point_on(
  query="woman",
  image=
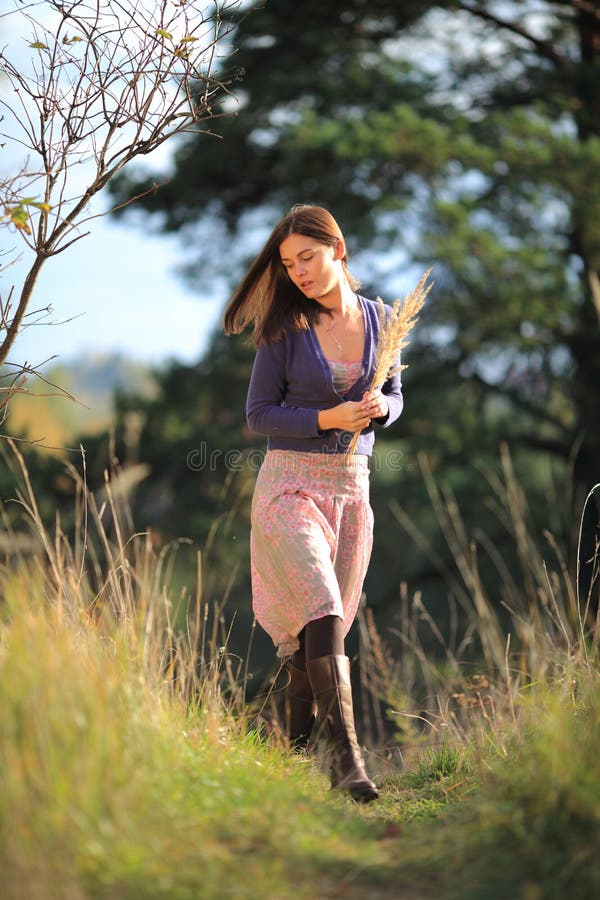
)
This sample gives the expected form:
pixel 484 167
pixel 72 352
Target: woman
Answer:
pixel 312 523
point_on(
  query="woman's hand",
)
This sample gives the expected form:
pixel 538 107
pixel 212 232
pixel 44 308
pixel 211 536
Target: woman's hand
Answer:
pixel 354 415
pixel 348 416
pixel 374 404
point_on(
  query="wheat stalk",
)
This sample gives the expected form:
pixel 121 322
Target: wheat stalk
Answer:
pixel 392 339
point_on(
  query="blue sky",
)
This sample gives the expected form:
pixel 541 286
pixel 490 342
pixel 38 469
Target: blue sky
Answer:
pixel 116 290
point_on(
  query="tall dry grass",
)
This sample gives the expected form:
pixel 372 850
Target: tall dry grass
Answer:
pixel 129 764
pixel 525 635
pixel 106 577
pixel 529 631
pixel 133 765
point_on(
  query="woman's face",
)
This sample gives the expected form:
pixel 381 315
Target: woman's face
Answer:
pixel 315 268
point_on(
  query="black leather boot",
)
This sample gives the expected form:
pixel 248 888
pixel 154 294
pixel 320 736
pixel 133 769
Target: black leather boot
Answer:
pixel 300 708
pixel 330 680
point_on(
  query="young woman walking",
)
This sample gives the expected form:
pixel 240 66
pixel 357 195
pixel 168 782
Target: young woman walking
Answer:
pixel 311 521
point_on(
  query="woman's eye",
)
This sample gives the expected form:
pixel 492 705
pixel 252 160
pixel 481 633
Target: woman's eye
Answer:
pixel 302 259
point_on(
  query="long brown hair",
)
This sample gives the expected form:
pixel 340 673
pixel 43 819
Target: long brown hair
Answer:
pixel 266 297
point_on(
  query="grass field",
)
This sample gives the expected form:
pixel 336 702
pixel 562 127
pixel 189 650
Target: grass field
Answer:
pixel 133 767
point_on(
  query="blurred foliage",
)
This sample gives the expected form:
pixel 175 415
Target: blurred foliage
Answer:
pixel 459 134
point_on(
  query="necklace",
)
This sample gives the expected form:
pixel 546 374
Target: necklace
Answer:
pixel 338 343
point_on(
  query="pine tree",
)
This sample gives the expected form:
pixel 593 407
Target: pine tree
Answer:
pixel 460 134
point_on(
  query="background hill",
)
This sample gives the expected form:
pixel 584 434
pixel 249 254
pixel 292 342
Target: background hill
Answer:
pixel 76 397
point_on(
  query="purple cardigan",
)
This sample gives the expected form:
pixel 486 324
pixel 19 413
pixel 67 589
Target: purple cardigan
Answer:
pixel 291 381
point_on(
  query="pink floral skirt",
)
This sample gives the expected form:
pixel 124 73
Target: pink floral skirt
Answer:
pixel 310 541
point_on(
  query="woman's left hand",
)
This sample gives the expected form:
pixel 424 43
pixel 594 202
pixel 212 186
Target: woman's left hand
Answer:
pixel 374 404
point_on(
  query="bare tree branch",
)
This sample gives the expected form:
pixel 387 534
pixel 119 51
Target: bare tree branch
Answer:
pixel 16 385
pixel 104 82
pixel 543 47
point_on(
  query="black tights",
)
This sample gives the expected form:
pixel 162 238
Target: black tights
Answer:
pixel 321 637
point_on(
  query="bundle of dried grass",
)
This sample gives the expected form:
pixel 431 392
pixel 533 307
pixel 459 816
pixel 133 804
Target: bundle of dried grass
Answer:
pixel 393 331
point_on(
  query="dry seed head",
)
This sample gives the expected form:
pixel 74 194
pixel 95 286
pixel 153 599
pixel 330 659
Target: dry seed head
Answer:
pixel 394 327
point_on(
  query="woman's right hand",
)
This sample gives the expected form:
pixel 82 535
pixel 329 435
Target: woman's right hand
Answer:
pixel 348 416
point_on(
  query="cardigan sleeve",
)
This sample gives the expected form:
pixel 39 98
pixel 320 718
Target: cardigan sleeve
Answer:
pixel 392 389
pixel 266 410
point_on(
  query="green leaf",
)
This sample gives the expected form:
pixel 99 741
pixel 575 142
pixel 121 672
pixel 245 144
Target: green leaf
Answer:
pixel 38 45
pixel 31 201
pixel 18 216
pixel 161 32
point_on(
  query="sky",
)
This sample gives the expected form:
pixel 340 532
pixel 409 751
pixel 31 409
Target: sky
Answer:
pixel 115 291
